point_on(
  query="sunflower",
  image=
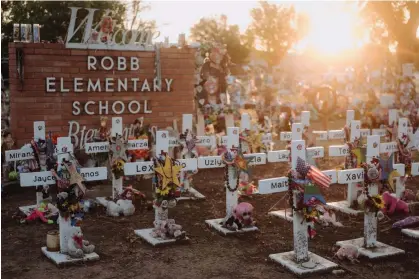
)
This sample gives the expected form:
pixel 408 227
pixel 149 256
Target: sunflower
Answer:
pixel 313 213
pixel 163 192
pixel 378 201
pixel 119 165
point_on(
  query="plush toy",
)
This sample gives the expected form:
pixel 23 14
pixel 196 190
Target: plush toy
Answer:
pixel 130 193
pixel 393 204
pixel 159 230
pixel 349 252
pixel 241 218
pixel 174 230
pixel 78 247
pixel 41 213
pixel 13 175
pixel 209 130
pixel 121 207
pixel 409 196
pixel 188 144
pixel 246 187
pixel 94 37
pixel 329 218
pixel 410 221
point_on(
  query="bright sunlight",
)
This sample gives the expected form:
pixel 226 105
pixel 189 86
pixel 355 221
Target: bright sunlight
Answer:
pixel 331 29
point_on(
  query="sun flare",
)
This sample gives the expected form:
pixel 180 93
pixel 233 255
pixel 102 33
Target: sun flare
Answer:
pixel 331 28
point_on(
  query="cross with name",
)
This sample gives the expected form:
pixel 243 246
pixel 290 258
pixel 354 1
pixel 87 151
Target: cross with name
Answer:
pixel 284 156
pixel 189 143
pixel 233 142
pixel 368 245
pixel 119 143
pixel 26 153
pixel 300 260
pixel 147 167
pixel 352 188
pixel 64 152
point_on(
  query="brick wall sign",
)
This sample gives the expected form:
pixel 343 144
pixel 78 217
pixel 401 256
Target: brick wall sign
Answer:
pixel 70 89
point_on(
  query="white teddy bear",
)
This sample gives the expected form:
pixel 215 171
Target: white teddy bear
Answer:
pixel 121 207
pixel 77 247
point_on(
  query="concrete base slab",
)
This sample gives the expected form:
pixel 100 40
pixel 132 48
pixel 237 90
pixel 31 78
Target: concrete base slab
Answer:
pixel 380 251
pixel 216 224
pixel 192 194
pixel 343 206
pixel 102 201
pixel 145 234
pixel 411 232
pixel 63 259
pixel 316 264
pixel 282 214
pixel 27 209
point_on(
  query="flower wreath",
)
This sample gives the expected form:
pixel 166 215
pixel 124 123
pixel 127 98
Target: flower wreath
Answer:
pixel 373 203
pixel 234 158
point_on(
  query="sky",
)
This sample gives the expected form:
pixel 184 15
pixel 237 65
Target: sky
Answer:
pixel 175 17
pixel 331 22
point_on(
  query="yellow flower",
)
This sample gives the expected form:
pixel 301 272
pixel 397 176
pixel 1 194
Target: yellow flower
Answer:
pixel 163 192
pixel 378 201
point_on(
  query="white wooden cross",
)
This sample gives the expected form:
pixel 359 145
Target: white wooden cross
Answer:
pixel 283 156
pixel 187 126
pixel 26 153
pixel 200 126
pixel 233 141
pixel 402 130
pixel 147 167
pixel 399 185
pixel 305 121
pixel 352 189
pixel 368 245
pixel 412 232
pixel 245 126
pixel 65 151
pixel 300 260
pixel 202 140
pixel 103 147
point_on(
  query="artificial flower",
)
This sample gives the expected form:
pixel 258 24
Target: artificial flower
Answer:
pixel 378 201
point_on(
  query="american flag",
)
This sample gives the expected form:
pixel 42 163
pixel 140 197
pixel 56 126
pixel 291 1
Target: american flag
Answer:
pixel 319 178
pixel 312 173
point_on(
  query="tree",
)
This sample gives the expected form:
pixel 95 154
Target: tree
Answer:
pixel 54 16
pixel 216 30
pixel 394 22
pixel 135 23
pixel 273 29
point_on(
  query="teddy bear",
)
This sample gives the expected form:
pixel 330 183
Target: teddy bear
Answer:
pixel 174 230
pixel 241 218
pixel 120 207
pixel 78 247
pixel 348 251
pixel 160 229
pixel 393 204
